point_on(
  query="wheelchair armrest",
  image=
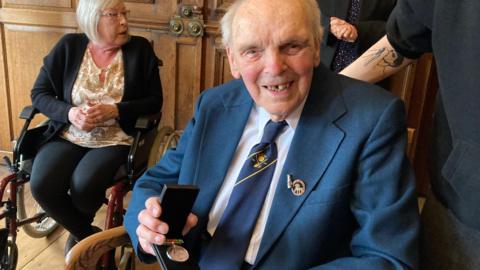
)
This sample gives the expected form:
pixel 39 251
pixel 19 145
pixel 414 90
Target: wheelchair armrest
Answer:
pixel 146 131
pixel 146 122
pixel 87 252
pixel 28 139
pixel 28 112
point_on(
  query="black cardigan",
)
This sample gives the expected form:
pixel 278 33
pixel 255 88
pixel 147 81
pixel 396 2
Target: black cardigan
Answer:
pixel 51 93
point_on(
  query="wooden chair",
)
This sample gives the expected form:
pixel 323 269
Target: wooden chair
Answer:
pixel 86 254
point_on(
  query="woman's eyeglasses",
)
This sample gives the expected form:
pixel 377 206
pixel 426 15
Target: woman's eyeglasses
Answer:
pixel 115 15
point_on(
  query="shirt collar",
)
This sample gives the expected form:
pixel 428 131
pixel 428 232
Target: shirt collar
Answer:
pixel 292 119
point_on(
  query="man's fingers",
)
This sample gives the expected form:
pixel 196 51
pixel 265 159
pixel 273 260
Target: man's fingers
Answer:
pixel 152 223
pixel 146 246
pixel 143 232
pixel 152 205
pixel 192 220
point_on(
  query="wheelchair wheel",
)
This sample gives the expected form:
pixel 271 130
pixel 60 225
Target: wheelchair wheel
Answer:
pixel 127 258
pixel 157 148
pixel 166 138
pixel 9 259
pixel 27 207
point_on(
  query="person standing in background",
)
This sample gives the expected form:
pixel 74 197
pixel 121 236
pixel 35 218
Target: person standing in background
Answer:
pixel 352 26
pixel 450 237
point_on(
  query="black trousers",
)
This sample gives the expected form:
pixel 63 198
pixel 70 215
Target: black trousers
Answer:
pixel 69 181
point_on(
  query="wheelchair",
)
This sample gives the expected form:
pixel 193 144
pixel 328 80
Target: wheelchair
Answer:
pixel 88 252
pixel 21 210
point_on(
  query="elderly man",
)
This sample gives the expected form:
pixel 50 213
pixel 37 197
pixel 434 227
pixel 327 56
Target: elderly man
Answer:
pixel 327 185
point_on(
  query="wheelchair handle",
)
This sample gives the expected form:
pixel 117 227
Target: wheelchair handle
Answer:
pixel 8 162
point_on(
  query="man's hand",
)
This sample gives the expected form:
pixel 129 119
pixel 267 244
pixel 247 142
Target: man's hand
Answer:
pixel 152 229
pixel 343 30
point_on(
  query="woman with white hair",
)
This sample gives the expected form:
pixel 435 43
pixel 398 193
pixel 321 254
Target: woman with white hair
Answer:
pixel 92 87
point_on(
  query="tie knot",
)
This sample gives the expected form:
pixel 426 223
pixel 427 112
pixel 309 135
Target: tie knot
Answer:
pixel 271 131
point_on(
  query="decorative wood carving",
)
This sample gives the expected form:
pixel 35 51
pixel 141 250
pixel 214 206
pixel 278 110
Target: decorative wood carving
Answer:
pixel 141 1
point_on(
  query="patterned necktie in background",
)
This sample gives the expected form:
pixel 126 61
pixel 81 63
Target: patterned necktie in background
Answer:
pixel 230 241
pixel 346 52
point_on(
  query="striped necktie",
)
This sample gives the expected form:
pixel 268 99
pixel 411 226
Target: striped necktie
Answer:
pixel 230 241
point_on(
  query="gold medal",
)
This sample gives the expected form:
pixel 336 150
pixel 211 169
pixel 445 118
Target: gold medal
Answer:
pixel 177 253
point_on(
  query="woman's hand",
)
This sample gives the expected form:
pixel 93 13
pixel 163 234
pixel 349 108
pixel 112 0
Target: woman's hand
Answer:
pixel 80 119
pixel 100 113
pixel 152 229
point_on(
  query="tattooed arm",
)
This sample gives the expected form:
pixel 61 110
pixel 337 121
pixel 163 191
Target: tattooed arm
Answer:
pixel 377 63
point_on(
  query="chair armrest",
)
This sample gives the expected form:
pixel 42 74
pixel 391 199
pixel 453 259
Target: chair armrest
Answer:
pixel 87 252
pixel 28 112
pixel 27 142
pixel 146 122
pixel 146 131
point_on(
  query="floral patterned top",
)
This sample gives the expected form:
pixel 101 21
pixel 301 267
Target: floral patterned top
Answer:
pixel 89 89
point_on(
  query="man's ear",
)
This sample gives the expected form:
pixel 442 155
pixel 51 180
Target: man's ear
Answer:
pixel 233 65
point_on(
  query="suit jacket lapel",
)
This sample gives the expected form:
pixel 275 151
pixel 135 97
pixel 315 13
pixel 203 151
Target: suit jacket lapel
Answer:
pixel 220 138
pixel 316 126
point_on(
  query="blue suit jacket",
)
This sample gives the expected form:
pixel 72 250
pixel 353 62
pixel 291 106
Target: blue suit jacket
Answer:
pixel 359 209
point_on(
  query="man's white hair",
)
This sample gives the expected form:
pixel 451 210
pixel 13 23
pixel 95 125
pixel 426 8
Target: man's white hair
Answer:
pixel 310 7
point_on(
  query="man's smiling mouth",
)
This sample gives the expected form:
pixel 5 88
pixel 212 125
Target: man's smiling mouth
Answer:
pixel 278 87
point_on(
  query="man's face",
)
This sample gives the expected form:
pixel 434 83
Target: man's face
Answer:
pixel 274 52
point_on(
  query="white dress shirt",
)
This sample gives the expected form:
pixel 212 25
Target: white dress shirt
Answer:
pixel 252 135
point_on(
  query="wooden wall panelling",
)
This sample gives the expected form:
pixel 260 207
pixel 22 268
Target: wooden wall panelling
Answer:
pixel 29 30
pixel 39 4
pixel 181 55
pixel 401 84
pixel 188 66
pixel 423 100
pixel 198 3
pixel 25 48
pixel 151 15
pixel 216 8
pixel 51 17
pixel 5 124
pixel 180 73
pixel 416 85
pixel 217 69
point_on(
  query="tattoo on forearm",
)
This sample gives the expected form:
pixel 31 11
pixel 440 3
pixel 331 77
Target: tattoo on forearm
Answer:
pixel 383 58
pixel 372 55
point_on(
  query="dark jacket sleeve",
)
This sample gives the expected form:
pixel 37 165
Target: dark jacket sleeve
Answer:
pixel 143 89
pixel 409 28
pixel 48 93
pixel 372 23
